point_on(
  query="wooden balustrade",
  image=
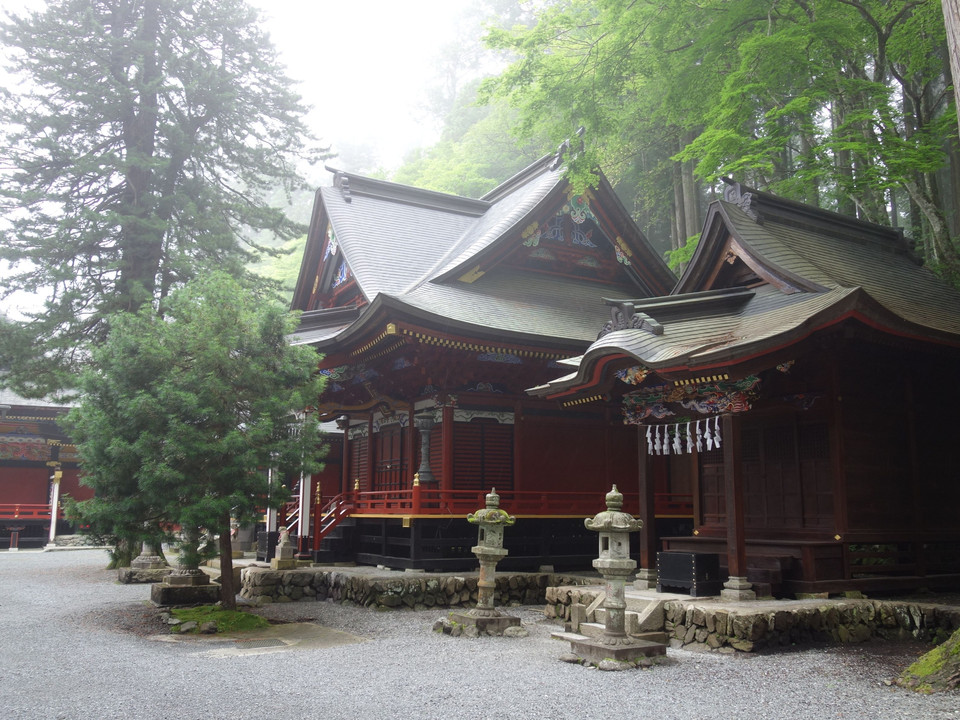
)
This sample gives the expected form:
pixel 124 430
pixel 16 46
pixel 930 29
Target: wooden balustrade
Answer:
pixel 26 511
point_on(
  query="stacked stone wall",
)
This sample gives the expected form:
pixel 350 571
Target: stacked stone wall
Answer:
pixel 839 622
pixel 418 591
pixel 700 626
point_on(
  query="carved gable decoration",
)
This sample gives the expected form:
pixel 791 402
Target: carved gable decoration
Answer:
pixel 571 243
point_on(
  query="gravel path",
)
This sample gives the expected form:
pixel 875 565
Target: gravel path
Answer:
pixel 74 644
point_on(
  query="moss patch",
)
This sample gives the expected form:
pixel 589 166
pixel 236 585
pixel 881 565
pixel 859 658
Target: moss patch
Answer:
pixel 938 670
pixel 226 620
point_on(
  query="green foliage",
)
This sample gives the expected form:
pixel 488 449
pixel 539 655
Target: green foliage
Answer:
pixel 679 258
pixel 140 148
pixel 842 104
pixel 475 154
pixel 228 621
pixel 179 415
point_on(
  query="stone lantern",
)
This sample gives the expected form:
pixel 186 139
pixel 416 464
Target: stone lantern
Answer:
pixel 615 565
pixel 489 551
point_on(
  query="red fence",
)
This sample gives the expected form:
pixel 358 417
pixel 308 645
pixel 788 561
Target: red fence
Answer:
pixel 24 511
pixel 429 501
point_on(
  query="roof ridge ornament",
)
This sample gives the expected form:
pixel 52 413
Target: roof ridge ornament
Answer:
pixel 341 181
pixel 624 316
pixel 564 147
pixel 735 193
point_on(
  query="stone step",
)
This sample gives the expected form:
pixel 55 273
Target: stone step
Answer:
pixel 593 631
pixel 649 619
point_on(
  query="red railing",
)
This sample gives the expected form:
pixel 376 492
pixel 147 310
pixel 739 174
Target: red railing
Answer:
pixel 429 501
pixel 330 516
pixel 26 511
pixel 420 500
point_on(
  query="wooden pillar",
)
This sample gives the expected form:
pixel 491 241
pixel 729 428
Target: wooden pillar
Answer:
pixel 737 587
pixel 647 572
pixel 517 446
pixel 410 450
pixel 446 448
pixel 371 454
pixel 345 484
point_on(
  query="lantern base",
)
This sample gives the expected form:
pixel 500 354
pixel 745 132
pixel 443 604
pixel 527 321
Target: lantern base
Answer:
pixel 485 624
pixel 595 651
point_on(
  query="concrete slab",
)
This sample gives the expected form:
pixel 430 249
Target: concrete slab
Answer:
pixel 273 639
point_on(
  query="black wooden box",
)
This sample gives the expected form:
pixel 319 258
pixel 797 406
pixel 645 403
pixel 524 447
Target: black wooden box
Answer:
pixel 696 573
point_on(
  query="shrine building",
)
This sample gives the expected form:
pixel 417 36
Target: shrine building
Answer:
pixel 798 379
pixel 773 409
pixel 435 314
pixel 38 465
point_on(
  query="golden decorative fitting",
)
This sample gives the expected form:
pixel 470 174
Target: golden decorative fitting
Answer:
pixel 416 479
pixel 356 483
pixel 696 532
pixel 838 537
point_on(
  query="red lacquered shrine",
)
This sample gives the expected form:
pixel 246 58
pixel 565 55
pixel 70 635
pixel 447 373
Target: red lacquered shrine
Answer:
pixel 434 314
pixel 35 455
pixel 799 379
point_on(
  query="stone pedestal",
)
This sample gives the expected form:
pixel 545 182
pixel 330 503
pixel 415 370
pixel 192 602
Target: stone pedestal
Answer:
pixel 646 579
pixel 185 587
pixel 484 624
pixel 284 558
pixel 737 589
pixel 131 575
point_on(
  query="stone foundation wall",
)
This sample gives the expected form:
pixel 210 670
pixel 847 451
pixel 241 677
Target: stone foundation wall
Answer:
pixel 700 626
pixel 850 621
pixel 418 591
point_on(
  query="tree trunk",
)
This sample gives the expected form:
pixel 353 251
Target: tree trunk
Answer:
pixel 844 165
pixel 946 253
pixel 691 206
pixel 141 242
pixel 228 593
pixel 677 227
pixel 951 18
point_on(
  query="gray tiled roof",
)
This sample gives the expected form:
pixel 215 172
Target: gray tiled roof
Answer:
pixel 416 236
pixel 868 274
pixel 517 302
pixel 884 270
pixel 409 247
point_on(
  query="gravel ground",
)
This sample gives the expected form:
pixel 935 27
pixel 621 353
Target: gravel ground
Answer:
pixel 76 644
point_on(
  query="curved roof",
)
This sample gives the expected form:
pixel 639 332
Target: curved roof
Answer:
pixel 820 269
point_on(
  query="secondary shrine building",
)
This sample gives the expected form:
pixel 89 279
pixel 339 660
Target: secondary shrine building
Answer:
pixel 435 314
pixel 786 406
pixel 800 379
pixel 38 466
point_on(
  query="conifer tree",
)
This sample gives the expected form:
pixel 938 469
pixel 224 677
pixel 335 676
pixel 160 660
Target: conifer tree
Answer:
pixel 138 147
pixel 180 416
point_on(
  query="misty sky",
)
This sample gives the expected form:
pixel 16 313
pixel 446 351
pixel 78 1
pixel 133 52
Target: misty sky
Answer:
pixel 364 66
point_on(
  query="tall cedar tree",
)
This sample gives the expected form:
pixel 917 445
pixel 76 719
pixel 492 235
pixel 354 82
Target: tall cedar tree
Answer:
pixel 138 148
pixel 180 415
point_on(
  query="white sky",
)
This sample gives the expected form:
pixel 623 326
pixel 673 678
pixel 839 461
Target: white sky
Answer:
pixel 364 66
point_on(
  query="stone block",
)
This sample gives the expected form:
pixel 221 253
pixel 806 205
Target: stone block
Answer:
pixel 595 651
pixel 130 575
pixel 164 594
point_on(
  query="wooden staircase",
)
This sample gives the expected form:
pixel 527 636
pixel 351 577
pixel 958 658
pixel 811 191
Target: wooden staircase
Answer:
pixel 334 535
